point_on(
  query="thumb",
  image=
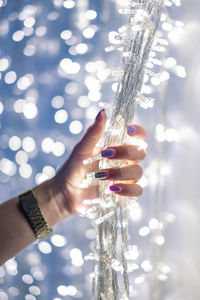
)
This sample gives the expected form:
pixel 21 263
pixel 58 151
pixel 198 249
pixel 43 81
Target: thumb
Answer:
pixel 93 134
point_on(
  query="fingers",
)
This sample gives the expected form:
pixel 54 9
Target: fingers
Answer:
pixel 130 190
pixel 136 131
pixel 128 152
pixel 131 172
pixel 92 135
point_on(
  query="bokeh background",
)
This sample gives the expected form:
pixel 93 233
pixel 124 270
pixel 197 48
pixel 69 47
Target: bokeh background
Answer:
pixel 52 63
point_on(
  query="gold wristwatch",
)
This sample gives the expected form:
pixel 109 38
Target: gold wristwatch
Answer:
pixel 29 205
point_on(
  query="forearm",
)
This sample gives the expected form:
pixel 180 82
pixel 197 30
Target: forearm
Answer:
pixel 15 231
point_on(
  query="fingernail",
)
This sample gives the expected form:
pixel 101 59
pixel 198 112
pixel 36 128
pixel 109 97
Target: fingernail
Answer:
pixel 131 129
pixel 101 175
pixel 108 153
pixel 115 188
pixel 98 115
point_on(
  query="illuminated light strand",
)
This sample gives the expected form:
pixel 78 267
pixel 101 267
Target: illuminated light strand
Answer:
pixel 132 79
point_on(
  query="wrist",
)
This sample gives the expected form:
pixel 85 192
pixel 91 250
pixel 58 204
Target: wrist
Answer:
pixel 48 202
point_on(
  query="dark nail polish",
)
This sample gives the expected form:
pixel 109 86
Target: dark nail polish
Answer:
pixel 101 175
pixel 108 153
pixel 131 129
pixel 98 115
pixel 115 188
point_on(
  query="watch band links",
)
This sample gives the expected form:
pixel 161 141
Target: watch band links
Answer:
pixel 29 205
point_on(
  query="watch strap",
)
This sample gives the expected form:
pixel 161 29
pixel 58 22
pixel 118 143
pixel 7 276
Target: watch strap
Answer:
pixel 29 205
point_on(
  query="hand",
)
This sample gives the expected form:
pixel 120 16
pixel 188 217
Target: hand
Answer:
pixel 67 194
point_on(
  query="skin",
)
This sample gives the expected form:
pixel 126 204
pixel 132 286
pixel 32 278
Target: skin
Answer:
pixel 61 196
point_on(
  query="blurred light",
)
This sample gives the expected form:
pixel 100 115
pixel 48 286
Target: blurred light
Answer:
pixel 112 37
pixel 61 116
pixel 29 22
pixel 4 64
pixel 144 231
pixel 25 170
pixel 75 127
pixel 44 247
pixel 66 34
pixel 81 48
pixel 28 144
pixel 160 240
pixel 180 71
pixel 48 171
pixel 71 88
pixel 28 31
pixel 30 110
pixel 29 50
pixel 91 67
pixel 35 290
pixel 66 290
pixel 13 291
pixel 37 274
pixel 19 105
pixel 52 16
pixel 139 279
pixel 153 223
pixel 14 143
pixel 146 266
pixel 76 256
pixel 40 177
pixel 90 234
pixel 58 149
pixel 57 101
pixel 69 4
pixel 3 295
pixel 92 83
pixel 18 36
pixel 29 297
pixel 1 107
pixel 47 145
pixel 7 167
pixel 91 112
pixel 89 32
pixel 41 31
pixel 176 35
pixel 24 82
pixel 69 67
pixel 136 213
pixel 21 157
pixel 28 279
pixel 94 96
pixel 58 240
pixel 91 14
pixel 83 101
pixel 10 77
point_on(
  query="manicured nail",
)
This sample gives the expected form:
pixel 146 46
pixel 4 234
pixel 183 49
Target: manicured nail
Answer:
pixel 131 129
pixel 115 188
pixel 98 115
pixel 101 175
pixel 108 153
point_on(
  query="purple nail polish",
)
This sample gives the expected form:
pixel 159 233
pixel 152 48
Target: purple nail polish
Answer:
pixel 115 188
pixel 131 129
pixel 108 153
pixel 98 115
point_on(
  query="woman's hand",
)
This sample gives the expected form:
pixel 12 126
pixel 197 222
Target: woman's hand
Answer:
pixel 68 197
pixel 62 196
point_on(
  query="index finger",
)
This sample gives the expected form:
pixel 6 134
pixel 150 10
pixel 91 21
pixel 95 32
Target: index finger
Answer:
pixel 136 131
